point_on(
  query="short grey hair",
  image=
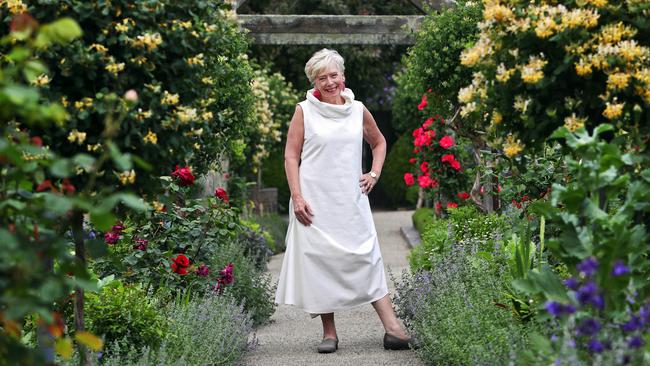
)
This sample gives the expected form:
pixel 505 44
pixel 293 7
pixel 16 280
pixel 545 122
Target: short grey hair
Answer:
pixel 321 60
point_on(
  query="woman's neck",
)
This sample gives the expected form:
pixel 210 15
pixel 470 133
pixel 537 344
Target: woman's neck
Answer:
pixel 336 100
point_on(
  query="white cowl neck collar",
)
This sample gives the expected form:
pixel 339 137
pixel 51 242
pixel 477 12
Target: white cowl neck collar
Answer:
pixel 332 110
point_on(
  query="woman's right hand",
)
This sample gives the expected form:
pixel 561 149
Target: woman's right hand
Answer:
pixel 302 210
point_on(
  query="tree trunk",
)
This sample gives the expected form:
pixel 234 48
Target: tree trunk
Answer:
pixel 80 254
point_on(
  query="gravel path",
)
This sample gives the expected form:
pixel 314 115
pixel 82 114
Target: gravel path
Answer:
pixel 292 336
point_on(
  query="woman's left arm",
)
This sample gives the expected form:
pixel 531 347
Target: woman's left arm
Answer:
pixel 377 143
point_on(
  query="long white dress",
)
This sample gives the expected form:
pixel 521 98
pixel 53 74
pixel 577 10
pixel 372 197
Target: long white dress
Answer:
pixel 335 263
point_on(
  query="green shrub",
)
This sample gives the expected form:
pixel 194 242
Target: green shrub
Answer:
pixel 252 286
pixel 455 311
pixel 125 314
pixel 468 224
pixel 422 217
pixel 206 331
pixel 435 239
pixel 391 183
pixel 276 226
pixel 273 175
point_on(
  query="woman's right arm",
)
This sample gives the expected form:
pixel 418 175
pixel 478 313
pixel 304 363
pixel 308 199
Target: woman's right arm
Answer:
pixel 292 151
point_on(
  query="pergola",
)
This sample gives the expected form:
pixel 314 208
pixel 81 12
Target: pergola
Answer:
pixel 273 29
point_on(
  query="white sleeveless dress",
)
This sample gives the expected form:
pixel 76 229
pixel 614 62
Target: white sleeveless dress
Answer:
pixel 335 263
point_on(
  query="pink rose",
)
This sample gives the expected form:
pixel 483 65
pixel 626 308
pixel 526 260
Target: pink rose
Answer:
pixel 408 179
pixel 446 142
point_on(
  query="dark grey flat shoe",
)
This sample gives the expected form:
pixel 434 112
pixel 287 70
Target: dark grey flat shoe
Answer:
pixel 394 343
pixel 328 345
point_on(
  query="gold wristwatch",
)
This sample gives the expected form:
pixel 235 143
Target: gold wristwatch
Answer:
pixel 373 175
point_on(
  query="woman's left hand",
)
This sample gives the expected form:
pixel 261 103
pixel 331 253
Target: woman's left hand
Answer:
pixel 367 183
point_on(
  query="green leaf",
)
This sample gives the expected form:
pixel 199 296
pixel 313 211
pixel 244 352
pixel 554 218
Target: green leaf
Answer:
pixel 133 201
pixel 12 203
pixel 102 219
pixel 58 204
pixel 7 240
pixel 34 69
pixel 96 247
pixel 20 95
pixel 550 284
pixel 603 128
pixel 645 174
pixel 61 168
pixel 61 31
pixel 90 340
pixel 122 161
pixel 85 161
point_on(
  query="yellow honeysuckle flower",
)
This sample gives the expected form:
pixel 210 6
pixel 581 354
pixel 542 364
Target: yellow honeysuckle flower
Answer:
pixel 76 136
pixel 169 99
pixel 139 60
pixel 41 80
pixel 196 60
pixel 15 6
pixel 186 114
pixel 115 68
pixel 127 177
pixel 158 206
pixel 583 67
pixel 512 148
pixel 207 80
pixel 150 41
pixel 150 138
pixel 573 123
pixel 497 118
pixel 100 48
pixel 503 74
pixel 207 116
pixel 618 80
pixel 613 110
pixel 93 148
pixel 532 73
pixel 142 115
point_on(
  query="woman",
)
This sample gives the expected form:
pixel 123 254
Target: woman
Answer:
pixel 333 261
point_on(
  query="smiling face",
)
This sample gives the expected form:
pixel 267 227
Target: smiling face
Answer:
pixel 329 82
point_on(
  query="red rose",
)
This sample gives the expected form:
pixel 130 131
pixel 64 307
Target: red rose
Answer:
pixel 184 175
pixel 66 186
pixel 417 132
pixel 455 164
pixel 179 264
pixel 408 179
pixel 203 270
pixel 448 158
pixel 424 181
pixel 36 140
pixel 452 205
pixel 428 122
pixel 226 274
pixel 412 160
pixel 44 185
pixel 221 194
pixel 424 167
pixel 463 195
pixel 446 142
pixel 423 102
pixel 23 22
pixel 438 207
pixel 111 237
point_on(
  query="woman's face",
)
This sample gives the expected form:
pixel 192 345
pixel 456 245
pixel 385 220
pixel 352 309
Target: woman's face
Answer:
pixel 330 81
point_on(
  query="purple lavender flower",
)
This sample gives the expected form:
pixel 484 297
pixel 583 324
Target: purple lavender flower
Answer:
pixel 595 346
pixel 554 308
pixel 644 313
pixel 636 342
pixel 598 301
pixel 620 269
pixel 572 283
pixel 633 324
pixel 586 292
pixel 588 267
pixel 588 327
pixel 569 309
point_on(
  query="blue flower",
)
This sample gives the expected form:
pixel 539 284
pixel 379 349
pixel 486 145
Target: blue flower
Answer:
pixel 636 342
pixel 588 267
pixel 595 346
pixel 588 327
pixel 554 308
pixel 633 324
pixel 620 269
pixel 572 283
pixel 589 294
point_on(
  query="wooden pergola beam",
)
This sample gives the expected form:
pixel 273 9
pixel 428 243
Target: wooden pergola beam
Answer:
pixel 331 29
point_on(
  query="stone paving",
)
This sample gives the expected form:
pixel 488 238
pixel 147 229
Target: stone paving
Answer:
pixel 292 336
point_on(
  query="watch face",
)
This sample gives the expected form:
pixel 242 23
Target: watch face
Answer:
pixel 373 174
